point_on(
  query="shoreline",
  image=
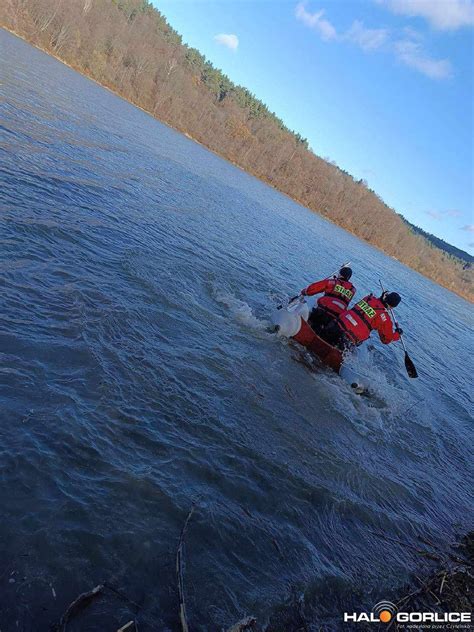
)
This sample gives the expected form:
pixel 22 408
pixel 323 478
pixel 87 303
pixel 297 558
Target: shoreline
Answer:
pixel 465 297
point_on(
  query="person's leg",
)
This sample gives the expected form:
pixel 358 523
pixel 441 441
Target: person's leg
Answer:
pixel 346 345
pixel 336 337
pixel 332 334
pixel 319 319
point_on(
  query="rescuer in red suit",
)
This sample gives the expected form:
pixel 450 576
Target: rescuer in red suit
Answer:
pixel 338 292
pixel 355 325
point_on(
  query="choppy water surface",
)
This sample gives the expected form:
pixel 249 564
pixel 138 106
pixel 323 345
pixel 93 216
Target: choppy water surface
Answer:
pixel 137 275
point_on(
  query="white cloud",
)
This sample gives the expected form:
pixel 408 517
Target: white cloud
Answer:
pixel 367 39
pixel 443 214
pixel 435 214
pixel 443 15
pixel 411 54
pixel 227 39
pixel 413 34
pixel 469 228
pixel 408 49
pixel 316 21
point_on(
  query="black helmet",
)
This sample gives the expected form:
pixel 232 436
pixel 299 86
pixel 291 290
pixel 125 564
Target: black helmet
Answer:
pixel 390 299
pixel 345 273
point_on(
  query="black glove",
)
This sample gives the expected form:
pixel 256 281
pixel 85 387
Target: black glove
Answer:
pixel 303 292
pixel 399 330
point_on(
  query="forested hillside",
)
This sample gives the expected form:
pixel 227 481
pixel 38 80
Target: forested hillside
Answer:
pixel 440 243
pixel 128 46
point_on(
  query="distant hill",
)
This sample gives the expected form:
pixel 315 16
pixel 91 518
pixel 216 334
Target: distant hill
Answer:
pixel 441 244
pixel 129 47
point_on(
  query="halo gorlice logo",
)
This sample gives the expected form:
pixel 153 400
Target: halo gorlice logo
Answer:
pixel 382 612
pixel 385 611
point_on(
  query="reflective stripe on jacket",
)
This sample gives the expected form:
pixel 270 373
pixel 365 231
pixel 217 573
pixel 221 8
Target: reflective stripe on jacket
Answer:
pixel 337 294
pixel 368 314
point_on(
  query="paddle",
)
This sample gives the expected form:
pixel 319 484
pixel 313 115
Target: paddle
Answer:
pixel 409 366
pixel 328 277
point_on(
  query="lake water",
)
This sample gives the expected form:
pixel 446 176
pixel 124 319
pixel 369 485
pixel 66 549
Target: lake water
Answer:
pixel 137 274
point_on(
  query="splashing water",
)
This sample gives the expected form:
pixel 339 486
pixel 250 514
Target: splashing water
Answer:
pixel 241 311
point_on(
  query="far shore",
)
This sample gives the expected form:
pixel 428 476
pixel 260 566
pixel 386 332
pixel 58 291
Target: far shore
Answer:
pixel 262 179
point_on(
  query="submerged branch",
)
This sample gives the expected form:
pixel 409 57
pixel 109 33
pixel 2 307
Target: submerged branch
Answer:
pixel 79 604
pixel 179 572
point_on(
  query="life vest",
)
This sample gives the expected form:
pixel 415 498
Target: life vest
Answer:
pixel 358 322
pixel 337 297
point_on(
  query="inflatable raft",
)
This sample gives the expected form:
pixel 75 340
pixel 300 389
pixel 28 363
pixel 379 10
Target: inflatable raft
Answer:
pixel 291 322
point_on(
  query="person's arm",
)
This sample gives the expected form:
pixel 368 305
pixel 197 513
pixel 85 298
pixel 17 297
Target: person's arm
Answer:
pixel 317 287
pixel 385 329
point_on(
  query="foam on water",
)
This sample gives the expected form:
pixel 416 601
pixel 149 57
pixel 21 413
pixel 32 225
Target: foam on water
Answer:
pixel 241 311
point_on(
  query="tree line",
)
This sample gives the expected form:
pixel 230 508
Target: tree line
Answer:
pixel 128 46
pixel 443 245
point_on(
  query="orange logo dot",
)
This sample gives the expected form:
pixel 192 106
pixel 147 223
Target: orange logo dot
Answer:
pixel 385 616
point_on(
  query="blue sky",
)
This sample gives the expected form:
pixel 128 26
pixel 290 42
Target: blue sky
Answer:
pixel 382 87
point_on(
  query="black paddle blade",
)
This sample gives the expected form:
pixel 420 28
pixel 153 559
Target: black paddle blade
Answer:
pixel 410 367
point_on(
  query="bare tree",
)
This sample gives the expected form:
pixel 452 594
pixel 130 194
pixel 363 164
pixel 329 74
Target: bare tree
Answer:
pixel 128 46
